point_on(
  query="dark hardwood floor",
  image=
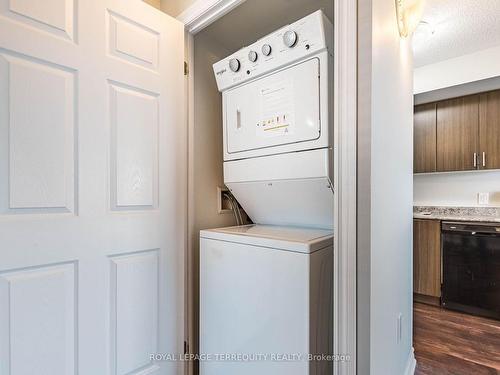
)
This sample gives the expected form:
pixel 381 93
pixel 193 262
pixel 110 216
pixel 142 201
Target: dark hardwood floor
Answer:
pixel 451 343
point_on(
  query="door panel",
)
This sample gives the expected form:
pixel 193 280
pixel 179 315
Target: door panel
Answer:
pixel 39 174
pixel 92 187
pixel 38 306
pixel 134 148
pixel 424 138
pixel 457 134
pixel 489 130
pixel 54 16
pixel 264 113
pixel 135 288
pixel 133 42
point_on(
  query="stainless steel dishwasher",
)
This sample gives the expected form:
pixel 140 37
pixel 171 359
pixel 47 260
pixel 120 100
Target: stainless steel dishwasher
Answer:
pixel 471 267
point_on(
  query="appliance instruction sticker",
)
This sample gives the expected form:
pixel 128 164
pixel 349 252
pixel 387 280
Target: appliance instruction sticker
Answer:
pixel 276 115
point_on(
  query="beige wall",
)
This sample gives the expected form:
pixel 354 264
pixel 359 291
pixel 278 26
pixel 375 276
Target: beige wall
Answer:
pixel 206 158
pixel 175 7
pixel 155 3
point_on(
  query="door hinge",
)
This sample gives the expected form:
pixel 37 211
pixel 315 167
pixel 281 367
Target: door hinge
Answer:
pixel 186 68
pixel 186 348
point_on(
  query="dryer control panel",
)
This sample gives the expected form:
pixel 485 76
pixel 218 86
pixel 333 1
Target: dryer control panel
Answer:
pixel 305 37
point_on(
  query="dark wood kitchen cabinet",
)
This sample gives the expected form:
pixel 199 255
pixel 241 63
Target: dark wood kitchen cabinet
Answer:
pixel 424 138
pixel 458 134
pixel 489 130
pixel 457 129
pixel 427 260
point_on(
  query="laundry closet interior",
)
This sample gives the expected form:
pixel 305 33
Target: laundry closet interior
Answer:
pixel 207 197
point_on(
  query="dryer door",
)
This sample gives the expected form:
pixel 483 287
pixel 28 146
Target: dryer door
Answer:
pixel 279 109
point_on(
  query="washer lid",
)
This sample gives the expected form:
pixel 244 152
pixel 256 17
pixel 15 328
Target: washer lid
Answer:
pixel 301 240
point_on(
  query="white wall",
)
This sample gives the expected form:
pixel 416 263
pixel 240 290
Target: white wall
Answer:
pixel 456 189
pixel 385 207
pixel 468 68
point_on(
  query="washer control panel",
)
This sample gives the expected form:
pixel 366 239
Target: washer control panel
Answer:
pixel 307 36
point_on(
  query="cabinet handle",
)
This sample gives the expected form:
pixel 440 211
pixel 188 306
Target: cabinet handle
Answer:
pixel 475 159
pixel 484 159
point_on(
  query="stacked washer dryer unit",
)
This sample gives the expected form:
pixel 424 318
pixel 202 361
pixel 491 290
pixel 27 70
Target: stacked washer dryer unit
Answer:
pixel 267 288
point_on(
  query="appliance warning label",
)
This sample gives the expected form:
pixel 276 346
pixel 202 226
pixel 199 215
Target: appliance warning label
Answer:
pixel 276 114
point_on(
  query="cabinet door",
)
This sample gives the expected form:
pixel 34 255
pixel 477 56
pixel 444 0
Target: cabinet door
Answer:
pixel 457 134
pixel 427 257
pixel 424 138
pixel 489 130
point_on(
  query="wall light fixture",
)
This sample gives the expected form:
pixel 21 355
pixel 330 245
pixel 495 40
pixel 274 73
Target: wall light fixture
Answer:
pixel 409 13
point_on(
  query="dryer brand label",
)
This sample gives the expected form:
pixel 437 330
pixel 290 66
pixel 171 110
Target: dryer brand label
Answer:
pixel 276 110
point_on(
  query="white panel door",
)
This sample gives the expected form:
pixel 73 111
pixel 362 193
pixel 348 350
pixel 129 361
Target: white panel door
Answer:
pixel 92 188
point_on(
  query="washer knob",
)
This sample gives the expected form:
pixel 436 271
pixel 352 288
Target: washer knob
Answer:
pixel 253 56
pixel 290 38
pixel 234 65
pixel 266 49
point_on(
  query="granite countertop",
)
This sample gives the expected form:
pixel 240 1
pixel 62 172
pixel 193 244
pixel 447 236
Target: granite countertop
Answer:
pixel 473 214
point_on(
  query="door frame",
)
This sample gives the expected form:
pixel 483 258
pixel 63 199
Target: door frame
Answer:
pixel 345 53
pixel 203 13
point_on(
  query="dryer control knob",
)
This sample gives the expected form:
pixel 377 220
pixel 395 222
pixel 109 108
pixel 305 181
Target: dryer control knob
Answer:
pixel 266 49
pixel 234 65
pixel 253 56
pixel 290 38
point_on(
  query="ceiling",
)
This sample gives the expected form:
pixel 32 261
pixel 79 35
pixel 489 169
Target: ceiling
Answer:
pixel 452 28
pixel 257 18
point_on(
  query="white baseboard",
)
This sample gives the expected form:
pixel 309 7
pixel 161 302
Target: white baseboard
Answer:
pixel 411 365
